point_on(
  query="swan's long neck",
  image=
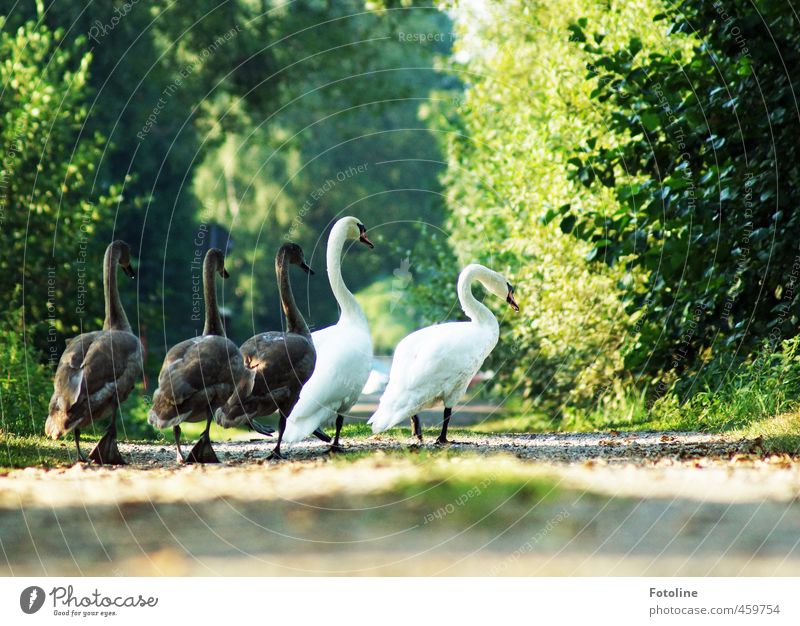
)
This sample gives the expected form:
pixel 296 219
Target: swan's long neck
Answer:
pixel 115 314
pixel 347 301
pixel 475 310
pixel 294 319
pixel 213 324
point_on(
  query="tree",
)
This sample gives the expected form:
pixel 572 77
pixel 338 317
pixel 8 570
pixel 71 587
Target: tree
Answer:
pixel 526 106
pixel 49 204
pixel 347 138
pixel 704 166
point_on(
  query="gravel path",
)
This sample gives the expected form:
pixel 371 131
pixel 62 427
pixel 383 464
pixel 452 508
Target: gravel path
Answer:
pixel 622 503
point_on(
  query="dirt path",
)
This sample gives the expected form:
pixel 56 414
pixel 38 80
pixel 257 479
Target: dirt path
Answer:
pixel 607 503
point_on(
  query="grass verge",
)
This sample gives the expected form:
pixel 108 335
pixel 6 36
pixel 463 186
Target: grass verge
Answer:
pixel 465 488
pixel 760 399
pixel 31 450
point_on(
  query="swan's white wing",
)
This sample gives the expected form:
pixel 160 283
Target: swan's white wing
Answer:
pixel 344 360
pixel 323 336
pixel 432 364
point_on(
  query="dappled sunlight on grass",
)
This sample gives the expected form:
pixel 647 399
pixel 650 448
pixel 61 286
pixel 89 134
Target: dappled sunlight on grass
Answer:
pixel 24 451
pixel 780 433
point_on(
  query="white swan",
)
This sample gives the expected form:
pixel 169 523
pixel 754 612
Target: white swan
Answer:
pixel 437 363
pixel 344 350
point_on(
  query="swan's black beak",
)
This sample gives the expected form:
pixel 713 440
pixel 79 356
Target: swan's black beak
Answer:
pixel 304 266
pixel 362 237
pixel 128 271
pixel 224 273
pixel 510 298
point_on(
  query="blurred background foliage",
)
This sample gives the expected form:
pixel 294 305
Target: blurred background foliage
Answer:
pixel 644 276
pixel 238 124
pixel 630 165
pixel 525 109
pixel 705 173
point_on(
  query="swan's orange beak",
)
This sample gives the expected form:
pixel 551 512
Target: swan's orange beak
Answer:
pixel 362 237
pixel 510 299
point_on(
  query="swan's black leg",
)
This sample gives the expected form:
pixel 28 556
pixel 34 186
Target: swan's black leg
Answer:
pixel 106 451
pixel 202 451
pixel 77 435
pixel 445 422
pixel 276 455
pixel 335 447
pixel 416 429
pixel 322 435
pixel 176 433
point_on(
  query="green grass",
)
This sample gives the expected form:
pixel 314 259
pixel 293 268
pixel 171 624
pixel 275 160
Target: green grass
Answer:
pixel 780 432
pixel 757 399
pixel 472 490
pixel 741 411
pixel 464 488
pixel 19 451
pixel 31 450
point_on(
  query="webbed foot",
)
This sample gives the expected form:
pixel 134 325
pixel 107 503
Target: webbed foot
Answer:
pixel 276 455
pixel 106 451
pixel 202 452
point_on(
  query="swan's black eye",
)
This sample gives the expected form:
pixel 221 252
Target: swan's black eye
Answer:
pixel 361 228
pixel 510 287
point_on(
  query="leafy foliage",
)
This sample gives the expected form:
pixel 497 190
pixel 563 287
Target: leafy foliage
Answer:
pixel 156 71
pixel 49 204
pixel 24 381
pixel 344 138
pixel 229 117
pixel 767 386
pixel 704 169
pixel 510 136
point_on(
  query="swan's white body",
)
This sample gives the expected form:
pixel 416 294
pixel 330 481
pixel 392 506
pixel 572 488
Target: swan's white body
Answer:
pixel 344 352
pixel 437 363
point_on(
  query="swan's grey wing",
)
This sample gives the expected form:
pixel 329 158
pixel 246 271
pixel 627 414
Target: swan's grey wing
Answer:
pixel 292 361
pixel 68 379
pixel 196 365
pixel 171 381
pixel 97 370
pixel 112 365
pixel 279 360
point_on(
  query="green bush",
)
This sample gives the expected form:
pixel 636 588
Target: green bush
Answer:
pixel 510 136
pixel 703 165
pixel 134 417
pixel 50 202
pixel 762 388
pixel 25 383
